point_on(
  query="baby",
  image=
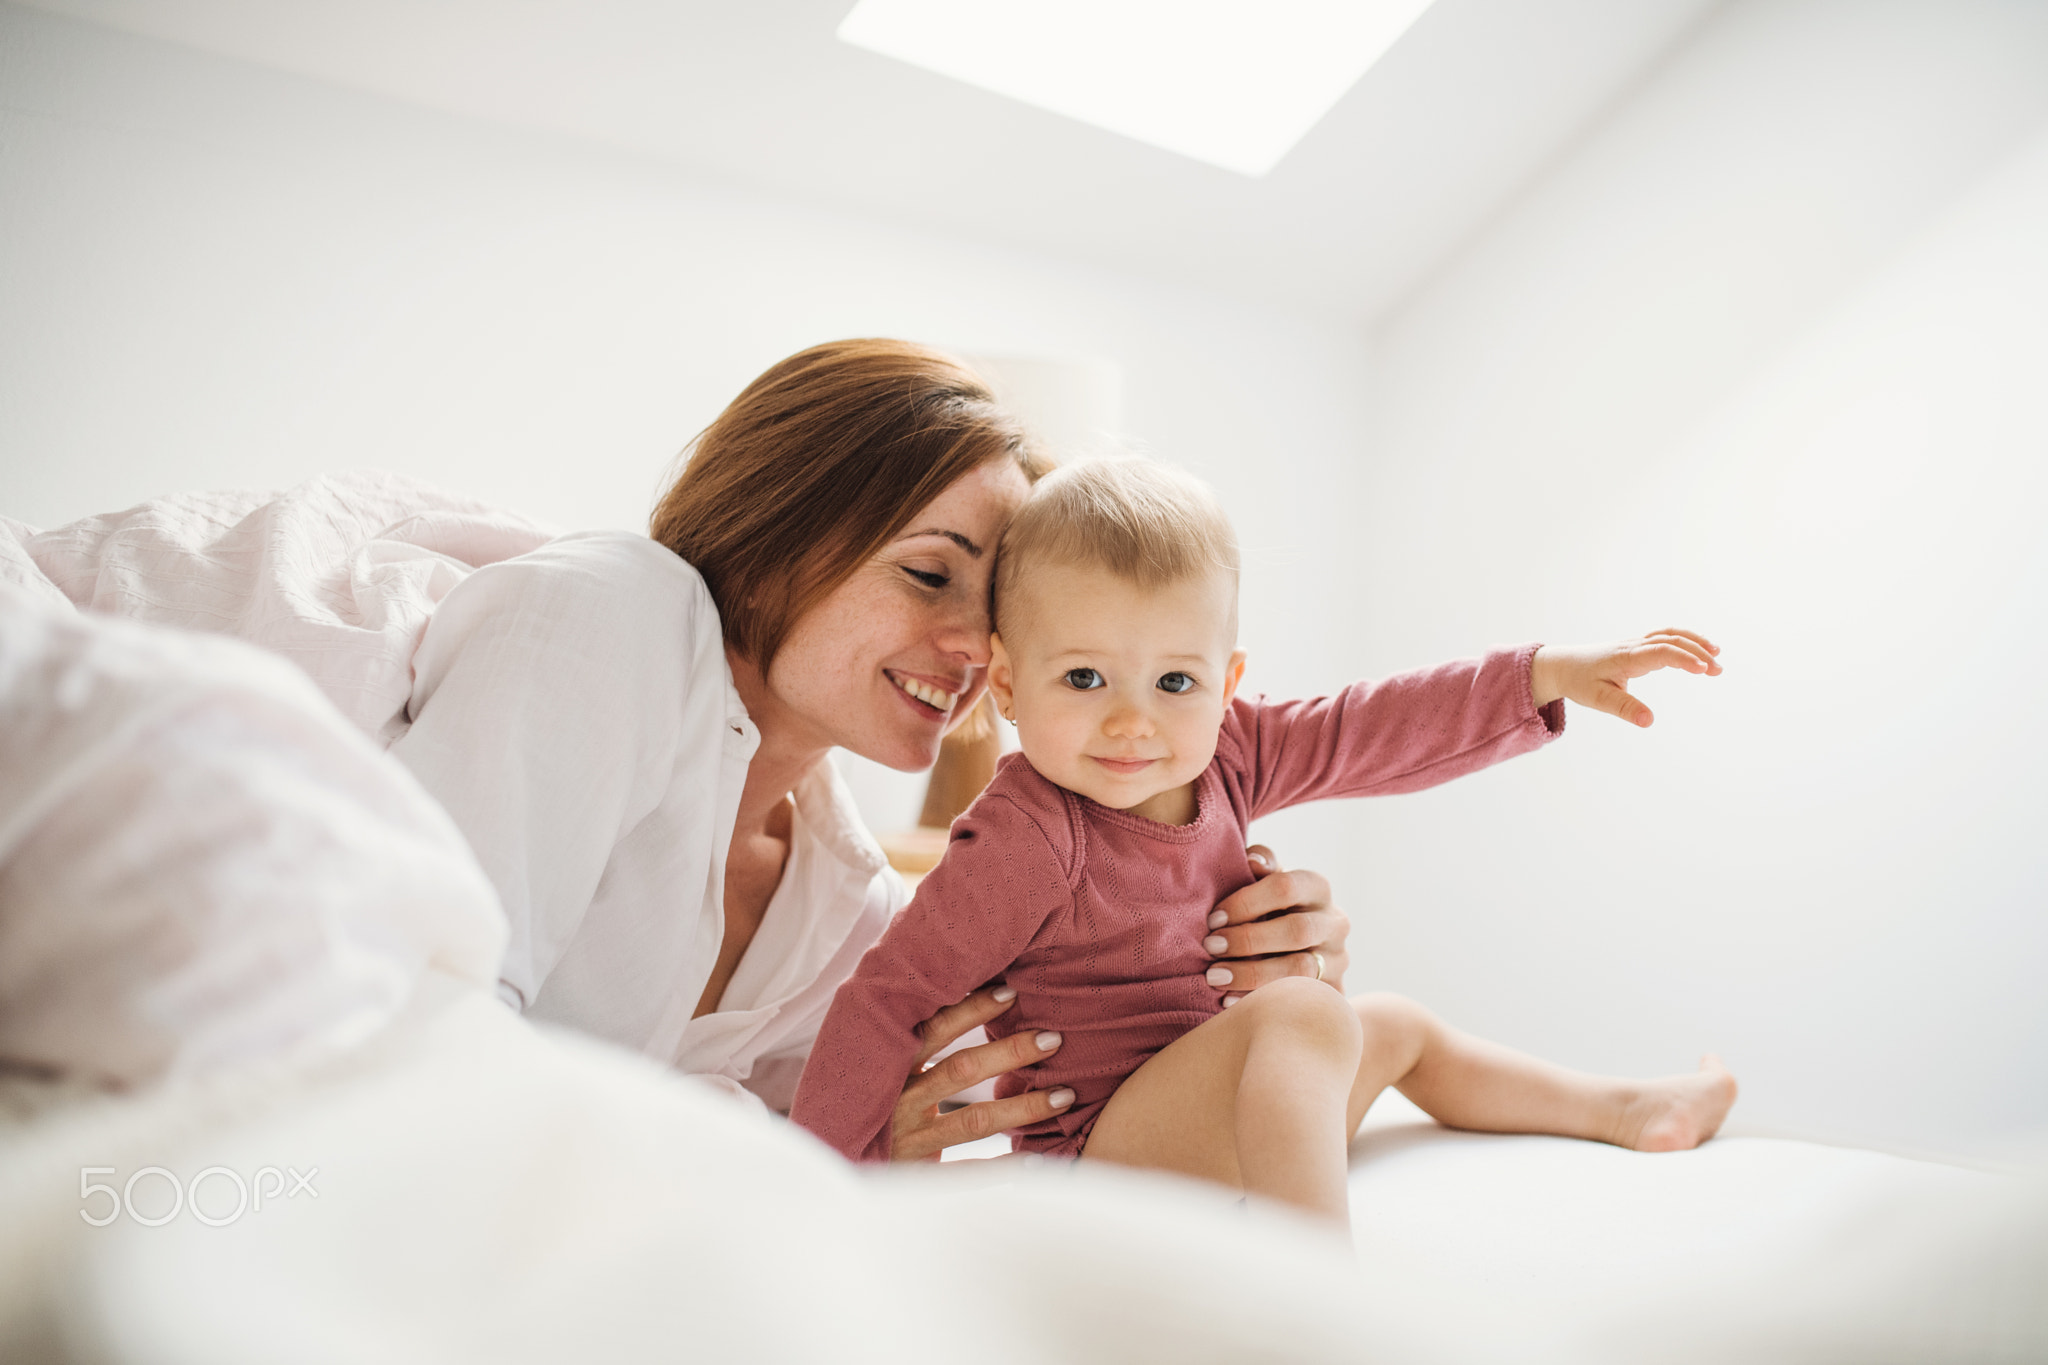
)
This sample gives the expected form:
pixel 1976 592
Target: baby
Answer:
pixel 1085 875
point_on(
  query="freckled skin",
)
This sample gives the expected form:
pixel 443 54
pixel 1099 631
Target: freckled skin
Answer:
pixel 917 610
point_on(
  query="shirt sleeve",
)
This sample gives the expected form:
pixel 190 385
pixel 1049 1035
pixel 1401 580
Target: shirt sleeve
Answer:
pixel 1398 734
pixel 1001 881
pixel 548 701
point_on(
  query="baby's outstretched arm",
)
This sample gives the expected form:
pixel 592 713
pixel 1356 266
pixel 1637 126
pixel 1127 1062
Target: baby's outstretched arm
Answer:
pixel 1598 675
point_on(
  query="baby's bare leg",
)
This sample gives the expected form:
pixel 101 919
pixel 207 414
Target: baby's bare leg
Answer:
pixel 1254 1098
pixel 1467 1082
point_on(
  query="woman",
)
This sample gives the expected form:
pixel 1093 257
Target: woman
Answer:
pixel 633 733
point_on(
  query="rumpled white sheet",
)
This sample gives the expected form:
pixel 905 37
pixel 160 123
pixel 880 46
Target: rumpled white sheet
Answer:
pixel 338 574
pixel 568 703
pixel 494 1192
pixel 201 864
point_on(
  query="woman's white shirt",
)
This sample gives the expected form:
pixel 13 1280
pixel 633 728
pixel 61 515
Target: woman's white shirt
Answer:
pixel 605 826
pixel 567 700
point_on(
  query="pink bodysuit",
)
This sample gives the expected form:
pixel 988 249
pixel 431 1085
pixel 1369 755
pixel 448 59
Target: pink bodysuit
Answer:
pixel 1096 917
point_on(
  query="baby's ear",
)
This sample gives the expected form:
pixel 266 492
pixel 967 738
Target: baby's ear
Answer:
pixel 1233 674
pixel 1001 681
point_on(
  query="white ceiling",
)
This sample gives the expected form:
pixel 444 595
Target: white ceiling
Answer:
pixel 1468 107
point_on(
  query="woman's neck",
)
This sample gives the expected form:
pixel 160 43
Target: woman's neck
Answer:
pixel 784 756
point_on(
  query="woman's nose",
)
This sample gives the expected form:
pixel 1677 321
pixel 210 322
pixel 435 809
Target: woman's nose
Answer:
pixel 966 633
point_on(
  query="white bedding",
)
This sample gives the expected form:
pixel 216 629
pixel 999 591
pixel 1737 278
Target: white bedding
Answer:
pixel 488 1191
pixel 1748 1249
pixel 491 1192
pixel 1481 1247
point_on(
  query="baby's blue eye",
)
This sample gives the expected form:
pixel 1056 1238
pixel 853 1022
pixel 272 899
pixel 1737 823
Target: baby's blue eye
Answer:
pixel 1176 682
pixel 1083 679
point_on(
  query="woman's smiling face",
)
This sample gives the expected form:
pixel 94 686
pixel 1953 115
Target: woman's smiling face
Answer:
pixel 892 656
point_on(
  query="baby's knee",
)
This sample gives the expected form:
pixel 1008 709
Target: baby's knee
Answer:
pixel 1383 1015
pixel 1304 1008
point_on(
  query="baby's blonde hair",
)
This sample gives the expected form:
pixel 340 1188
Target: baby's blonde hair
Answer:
pixel 1148 524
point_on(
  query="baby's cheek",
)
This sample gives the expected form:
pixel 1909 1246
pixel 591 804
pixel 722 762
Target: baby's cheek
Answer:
pixel 1044 744
pixel 1194 755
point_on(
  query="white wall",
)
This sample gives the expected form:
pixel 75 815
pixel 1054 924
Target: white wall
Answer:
pixel 1765 357
pixel 215 275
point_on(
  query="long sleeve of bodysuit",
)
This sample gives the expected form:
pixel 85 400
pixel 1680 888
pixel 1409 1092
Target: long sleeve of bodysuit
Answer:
pixel 1004 879
pixel 1397 734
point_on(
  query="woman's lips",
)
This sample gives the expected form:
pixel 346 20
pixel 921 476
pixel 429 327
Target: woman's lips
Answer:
pixel 936 698
pixel 1125 766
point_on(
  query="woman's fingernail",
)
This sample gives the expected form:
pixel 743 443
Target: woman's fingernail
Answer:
pixel 1229 1000
pixel 1220 976
pixel 1215 945
pixel 1004 993
pixel 1218 918
pixel 1061 1098
pixel 1048 1040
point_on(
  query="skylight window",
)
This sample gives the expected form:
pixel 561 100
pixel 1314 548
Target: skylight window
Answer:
pixel 1235 83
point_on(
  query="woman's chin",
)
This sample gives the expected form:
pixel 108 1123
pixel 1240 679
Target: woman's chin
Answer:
pixel 905 754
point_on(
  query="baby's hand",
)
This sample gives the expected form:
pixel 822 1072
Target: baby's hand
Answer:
pixel 1598 675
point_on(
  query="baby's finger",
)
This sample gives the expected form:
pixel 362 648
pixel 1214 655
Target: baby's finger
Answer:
pixel 1649 656
pixel 984 1061
pixel 971 1123
pixel 1691 646
pixel 1616 702
pixel 1691 635
pixel 952 1022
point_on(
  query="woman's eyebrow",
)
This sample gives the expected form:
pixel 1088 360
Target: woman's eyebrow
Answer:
pixel 962 541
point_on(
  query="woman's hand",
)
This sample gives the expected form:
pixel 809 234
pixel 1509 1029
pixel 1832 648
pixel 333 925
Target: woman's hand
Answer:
pixel 919 1131
pixel 1598 675
pixel 1278 926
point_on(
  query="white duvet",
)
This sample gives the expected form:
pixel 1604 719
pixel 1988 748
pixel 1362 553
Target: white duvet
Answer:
pixel 490 1192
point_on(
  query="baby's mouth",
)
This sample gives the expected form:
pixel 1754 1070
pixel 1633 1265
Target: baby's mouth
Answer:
pixel 936 698
pixel 1125 765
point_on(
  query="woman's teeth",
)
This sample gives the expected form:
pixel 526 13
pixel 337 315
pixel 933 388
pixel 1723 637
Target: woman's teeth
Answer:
pixel 930 696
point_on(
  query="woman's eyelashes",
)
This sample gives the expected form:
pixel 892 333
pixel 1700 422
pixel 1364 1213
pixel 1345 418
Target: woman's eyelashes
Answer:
pixel 930 580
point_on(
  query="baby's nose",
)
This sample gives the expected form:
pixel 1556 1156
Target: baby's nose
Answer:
pixel 1127 722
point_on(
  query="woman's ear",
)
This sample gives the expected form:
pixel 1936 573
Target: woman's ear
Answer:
pixel 1001 681
pixel 1233 674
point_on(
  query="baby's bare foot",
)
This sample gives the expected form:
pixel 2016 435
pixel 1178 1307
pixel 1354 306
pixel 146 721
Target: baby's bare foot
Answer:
pixel 1678 1113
